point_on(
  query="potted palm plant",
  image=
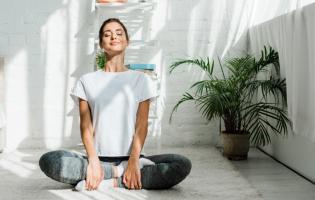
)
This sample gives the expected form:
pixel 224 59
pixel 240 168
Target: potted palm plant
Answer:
pixel 250 107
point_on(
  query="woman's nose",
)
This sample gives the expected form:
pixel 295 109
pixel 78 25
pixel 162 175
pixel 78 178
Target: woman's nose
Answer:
pixel 114 36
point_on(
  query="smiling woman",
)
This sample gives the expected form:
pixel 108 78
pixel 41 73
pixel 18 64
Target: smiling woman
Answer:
pixel 114 105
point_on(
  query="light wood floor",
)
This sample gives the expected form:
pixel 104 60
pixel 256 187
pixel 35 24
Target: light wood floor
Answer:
pixel 272 179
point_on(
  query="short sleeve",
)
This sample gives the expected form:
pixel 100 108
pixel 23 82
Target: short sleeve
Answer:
pixel 78 91
pixel 148 88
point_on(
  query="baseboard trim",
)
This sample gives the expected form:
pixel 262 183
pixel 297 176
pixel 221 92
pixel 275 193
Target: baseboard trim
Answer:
pixel 275 159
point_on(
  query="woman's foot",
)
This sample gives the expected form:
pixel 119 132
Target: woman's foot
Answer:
pixel 103 186
pixel 120 169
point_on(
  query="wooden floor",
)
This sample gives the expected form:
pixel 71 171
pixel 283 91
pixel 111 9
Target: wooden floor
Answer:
pixel 274 180
pixel 212 177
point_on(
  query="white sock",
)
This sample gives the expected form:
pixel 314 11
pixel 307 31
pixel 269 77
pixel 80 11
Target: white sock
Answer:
pixel 80 186
pixel 121 168
pixel 123 165
pixel 144 162
pixel 105 184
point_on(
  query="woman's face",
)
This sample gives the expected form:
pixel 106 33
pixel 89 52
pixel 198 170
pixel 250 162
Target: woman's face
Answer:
pixel 114 38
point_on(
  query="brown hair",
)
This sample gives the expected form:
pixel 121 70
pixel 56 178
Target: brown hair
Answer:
pixel 100 33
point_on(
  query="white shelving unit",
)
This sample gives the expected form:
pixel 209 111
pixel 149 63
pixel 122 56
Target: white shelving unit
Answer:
pixel 143 5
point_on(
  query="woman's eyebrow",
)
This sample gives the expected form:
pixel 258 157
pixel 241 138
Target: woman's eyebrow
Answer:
pixel 119 29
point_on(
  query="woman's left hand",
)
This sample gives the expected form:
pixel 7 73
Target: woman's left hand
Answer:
pixel 132 175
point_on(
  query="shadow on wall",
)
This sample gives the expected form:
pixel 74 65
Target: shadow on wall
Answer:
pixel 37 118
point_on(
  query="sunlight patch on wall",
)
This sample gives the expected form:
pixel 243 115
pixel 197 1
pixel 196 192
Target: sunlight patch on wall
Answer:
pixel 54 45
pixel 16 99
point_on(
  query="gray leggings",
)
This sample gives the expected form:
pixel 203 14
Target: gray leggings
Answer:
pixel 69 167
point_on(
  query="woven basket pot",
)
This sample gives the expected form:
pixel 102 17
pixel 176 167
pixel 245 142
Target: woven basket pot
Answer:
pixel 235 146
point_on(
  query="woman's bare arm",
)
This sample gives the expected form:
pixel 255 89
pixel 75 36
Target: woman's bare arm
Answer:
pixel 87 129
pixel 94 174
pixel 132 178
pixel 141 128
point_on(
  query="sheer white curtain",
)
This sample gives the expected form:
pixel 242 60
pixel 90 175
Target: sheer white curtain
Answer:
pixel 293 36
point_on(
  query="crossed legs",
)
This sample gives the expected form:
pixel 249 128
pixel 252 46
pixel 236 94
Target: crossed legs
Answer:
pixel 69 167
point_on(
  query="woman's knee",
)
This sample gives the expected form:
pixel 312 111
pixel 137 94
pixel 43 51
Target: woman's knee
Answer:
pixel 63 166
pixel 45 160
pixel 176 163
pixel 178 167
pixel 50 161
pixel 170 169
pixel 184 165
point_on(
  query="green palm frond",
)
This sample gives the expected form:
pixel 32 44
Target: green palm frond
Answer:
pixel 205 65
pixel 221 67
pixel 274 87
pixel 241 67
pixel 201 87
pixel 205 86
pixel 186 97
pixel 267 58
pixel 212 106
pixel 261 116
pixel 262 136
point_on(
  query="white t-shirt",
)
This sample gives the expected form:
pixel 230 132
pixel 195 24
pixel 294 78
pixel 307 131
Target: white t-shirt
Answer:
pixel 113 98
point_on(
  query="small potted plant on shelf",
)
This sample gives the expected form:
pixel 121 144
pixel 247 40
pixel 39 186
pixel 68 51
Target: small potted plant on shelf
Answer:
pixel 100 59
pixel 250 107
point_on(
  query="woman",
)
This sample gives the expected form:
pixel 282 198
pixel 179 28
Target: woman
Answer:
pixel 114 107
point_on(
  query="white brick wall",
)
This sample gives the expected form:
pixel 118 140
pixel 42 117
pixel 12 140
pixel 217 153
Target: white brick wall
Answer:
pixel 48 44
pixel 45 48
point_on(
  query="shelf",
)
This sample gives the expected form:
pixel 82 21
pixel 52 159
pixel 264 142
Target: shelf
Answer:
pixel 125 5
pixel 148 5
pixel 142 66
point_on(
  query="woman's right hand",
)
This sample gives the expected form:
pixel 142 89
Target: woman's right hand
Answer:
pixel 94 174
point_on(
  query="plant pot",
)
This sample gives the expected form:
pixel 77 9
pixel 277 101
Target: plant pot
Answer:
pixel 235 146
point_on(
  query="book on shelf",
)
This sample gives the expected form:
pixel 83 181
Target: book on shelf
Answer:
pixel 142 66
pixel 146 68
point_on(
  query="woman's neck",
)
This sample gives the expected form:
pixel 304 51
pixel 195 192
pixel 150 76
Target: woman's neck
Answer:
pixel 115 64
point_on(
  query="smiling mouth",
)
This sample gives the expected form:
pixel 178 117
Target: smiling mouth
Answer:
pixel 114 43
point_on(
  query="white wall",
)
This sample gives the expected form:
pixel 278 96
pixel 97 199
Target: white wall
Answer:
pixel 292 35
pixel 47 45
pixel 44 45
pixel 2 117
